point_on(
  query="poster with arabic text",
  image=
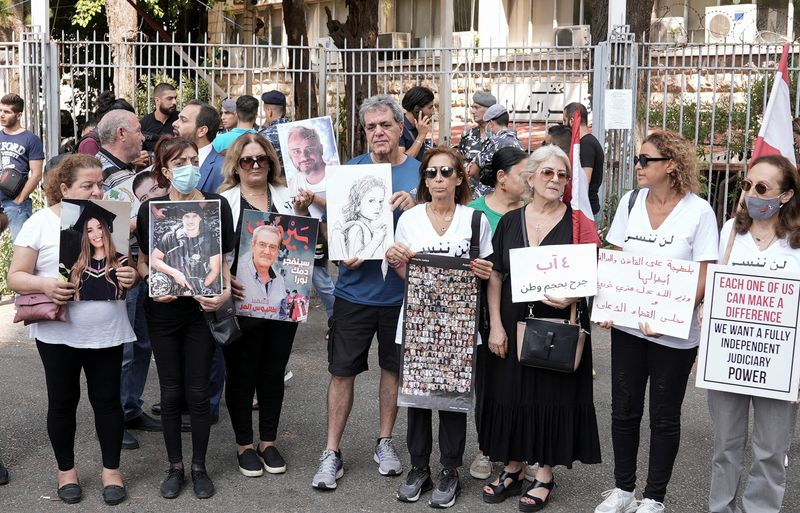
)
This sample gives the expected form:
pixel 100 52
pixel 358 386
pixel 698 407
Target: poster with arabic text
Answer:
pixel 564 270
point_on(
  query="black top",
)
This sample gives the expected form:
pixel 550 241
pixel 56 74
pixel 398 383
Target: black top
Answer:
pixel 153 129
pixel 592 156
pixel 95 286
pixel 183 306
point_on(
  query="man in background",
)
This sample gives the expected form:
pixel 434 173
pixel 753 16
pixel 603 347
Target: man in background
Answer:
pixel 159 122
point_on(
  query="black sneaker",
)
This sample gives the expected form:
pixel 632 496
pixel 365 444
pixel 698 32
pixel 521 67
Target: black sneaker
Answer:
pixel 250 464
pixel 3 474
pixel 417 482
pixel 203 486
pixel 447 489
pixel 129 442
pixel 173 484
pixel 272 459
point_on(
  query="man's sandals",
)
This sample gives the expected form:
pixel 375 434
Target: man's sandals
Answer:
pixel 538 504
pixel 500 491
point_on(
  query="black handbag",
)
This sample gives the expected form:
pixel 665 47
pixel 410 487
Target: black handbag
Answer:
pixel 12 182
pixel 223 324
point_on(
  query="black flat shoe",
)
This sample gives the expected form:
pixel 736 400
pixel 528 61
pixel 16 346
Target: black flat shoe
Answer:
pixel 203 486
pixel 500 491
pixel 114 494
pixel 3 474
pixel 171 486
pixel 156 409
pixel 144 422
pixel 538 504
pixel 129 442
pixel 70 493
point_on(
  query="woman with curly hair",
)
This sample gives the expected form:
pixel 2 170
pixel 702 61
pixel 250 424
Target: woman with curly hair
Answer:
pixel 665 217
pixel 363 232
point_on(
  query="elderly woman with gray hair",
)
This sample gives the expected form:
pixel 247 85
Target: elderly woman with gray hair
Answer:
pixel 533 414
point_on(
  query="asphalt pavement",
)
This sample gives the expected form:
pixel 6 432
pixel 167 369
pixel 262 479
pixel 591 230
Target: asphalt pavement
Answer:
pixel 26 450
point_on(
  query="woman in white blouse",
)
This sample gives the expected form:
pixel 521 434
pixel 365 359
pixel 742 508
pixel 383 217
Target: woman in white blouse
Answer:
pixel 765 229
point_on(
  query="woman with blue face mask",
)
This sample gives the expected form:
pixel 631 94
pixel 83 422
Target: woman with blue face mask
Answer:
pixel 182 343
pixel 766 228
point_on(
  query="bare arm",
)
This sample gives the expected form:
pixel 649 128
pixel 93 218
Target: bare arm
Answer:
pixel 498 339
pixel 34 176
pixel 22 280
pixel 214 264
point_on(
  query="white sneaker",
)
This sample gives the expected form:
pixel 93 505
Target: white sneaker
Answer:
pixel 617 501
pixel 481 467
pixel 650 506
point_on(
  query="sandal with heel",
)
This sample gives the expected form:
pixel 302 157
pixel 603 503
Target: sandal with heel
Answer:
pixel 500 491
pixel 538 504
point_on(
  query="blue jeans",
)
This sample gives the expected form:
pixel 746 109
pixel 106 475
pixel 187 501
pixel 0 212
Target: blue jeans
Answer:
pixel 216 381
pixel 17 215
pixel 321 279
pixel 135 355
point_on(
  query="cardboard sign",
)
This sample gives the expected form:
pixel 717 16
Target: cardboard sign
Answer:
pixel 748 341
pixel 566 270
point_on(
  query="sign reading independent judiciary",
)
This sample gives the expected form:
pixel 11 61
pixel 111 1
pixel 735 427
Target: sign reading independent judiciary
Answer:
pixel 749 336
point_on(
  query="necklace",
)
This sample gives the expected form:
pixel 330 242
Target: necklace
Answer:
pixel 446 219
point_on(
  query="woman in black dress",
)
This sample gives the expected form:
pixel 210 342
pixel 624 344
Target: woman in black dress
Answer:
pixel 531 414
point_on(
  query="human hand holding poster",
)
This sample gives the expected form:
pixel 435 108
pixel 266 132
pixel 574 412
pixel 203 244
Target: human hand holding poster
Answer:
pixel 185 248
pixel 439 334
pixel 275 265
pixel 748 342
pixel 360 223
pixel 635 288
pixel 93 245
pixel 567 270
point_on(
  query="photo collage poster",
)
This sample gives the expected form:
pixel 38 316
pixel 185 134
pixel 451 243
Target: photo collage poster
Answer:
pixel 275 264
pixel 440 329
pixel 185 248
pixel 93 243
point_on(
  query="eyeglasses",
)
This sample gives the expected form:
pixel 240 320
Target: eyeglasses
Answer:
pixel 644 160
pixel 445 171
pixel 249 162
pixel 548 173
pixel 761 188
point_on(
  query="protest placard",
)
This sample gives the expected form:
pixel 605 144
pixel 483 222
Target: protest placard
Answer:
pixel 748 341
pixel 565 270
pixel 636 288
pixel 440 330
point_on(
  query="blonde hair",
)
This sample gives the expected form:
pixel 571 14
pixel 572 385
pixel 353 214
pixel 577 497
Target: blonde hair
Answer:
pixel 229 167
pixel 535 161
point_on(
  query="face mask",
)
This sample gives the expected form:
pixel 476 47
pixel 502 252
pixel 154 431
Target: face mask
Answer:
pixel 761 209
pixel 489 133
pixel 185 178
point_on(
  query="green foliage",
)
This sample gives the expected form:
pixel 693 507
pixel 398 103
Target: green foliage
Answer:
pixel 188 89
pixel 86 10
pixel 7 249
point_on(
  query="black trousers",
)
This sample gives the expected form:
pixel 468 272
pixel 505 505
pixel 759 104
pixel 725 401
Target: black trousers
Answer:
pixel 479 383
pixel 633 361
pixel 62 371
pixel 183 349
pixel 256 363
pixel 452 437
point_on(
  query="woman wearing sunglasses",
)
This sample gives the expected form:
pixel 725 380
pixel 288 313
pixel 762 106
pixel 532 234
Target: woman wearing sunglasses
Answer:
pixel 765 228
pixel 182 343
pixel 529 414
pixel 256 363
pixel 667 219
pixel 441 224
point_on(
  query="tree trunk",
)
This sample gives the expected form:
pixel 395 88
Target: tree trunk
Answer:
pixel 638 16
pixel 122 32
pixel 360 30
pixel 248 26
pixel 306 103
pixel 599 21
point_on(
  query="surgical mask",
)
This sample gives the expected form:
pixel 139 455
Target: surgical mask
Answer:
pixel 760 208
pixel 185 178
pixel 489 133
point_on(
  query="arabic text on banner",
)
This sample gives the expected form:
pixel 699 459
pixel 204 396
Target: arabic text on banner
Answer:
pixel 566 270
pixel 635 288
pixel 748 341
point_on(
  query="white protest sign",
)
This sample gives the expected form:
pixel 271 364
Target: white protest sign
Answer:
pixel 748 342
pixel 637 288
pixel 566 270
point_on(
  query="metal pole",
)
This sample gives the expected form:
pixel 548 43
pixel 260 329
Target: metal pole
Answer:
pixel 446 70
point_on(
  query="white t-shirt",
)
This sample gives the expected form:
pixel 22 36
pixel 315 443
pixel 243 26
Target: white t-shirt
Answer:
pixel 744 253
pixel 90 324
pixel 414 229
pixel 689 233
pixel 298 182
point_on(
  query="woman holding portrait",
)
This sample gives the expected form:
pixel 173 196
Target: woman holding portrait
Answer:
pixel 531 414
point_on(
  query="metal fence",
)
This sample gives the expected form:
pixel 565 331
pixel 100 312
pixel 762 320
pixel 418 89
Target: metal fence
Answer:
pixel 713 94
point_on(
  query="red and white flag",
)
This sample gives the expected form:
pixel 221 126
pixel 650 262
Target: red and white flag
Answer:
pixel 775 136
pixel 576 195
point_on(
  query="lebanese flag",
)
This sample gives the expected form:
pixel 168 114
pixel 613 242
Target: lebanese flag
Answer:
pixel 775 136
pixel 576 195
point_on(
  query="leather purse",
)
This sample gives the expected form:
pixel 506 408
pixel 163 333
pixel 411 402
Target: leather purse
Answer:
pixel 12 182
pixel 38 307
pixel 553 344
pixel 223 324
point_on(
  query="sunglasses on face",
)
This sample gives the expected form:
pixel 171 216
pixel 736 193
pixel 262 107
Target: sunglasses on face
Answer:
pixel 760 187
pixel 548 173
pixel 248 162
pixel 644 160
pixel 445 171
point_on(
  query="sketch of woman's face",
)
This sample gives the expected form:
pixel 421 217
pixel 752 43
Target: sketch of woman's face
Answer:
pixel 95 233
pixel 371 204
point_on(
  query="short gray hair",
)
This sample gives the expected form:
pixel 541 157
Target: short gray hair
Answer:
pixel 113 121
pixel 380 102
pixel 535 161
pixel 267 228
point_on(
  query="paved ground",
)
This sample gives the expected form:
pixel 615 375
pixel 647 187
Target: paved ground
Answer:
pixel 26 450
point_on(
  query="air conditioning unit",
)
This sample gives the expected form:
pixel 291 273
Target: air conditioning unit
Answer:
pixel 572 35
pixel 394 40
pixel 731 23
pixel 670 29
